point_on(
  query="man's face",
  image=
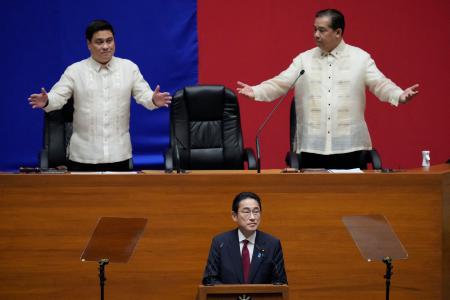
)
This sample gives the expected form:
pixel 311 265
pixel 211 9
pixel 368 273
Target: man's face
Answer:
pixel 102 46
pixel 248 216
pixel 326 37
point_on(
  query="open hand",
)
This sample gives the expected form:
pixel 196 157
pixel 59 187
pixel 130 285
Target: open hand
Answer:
pixel 160 98
pixel 245 90
pixel 38 100
pixel 409 93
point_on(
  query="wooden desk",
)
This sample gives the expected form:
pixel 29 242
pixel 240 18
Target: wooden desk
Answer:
pixel 46 221
pixel 233 291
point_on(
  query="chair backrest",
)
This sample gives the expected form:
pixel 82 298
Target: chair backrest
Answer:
pixel 206 128
pixel 57 133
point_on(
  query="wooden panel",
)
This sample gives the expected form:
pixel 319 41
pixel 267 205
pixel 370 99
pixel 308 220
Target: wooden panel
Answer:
pixel 46 221
pixel 233 291
pixel 446 235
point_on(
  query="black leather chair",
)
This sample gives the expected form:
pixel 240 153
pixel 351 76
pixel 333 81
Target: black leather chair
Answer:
pixel 57 133
pixel 293 159
pixel 205 131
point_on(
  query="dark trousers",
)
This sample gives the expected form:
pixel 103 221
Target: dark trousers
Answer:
pixel 333 161
pixel 114 167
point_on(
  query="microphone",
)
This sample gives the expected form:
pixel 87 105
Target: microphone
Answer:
pixel 275 270
pixel 258 154
pixel 211 276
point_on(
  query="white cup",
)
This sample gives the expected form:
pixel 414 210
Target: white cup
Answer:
pixel 425 158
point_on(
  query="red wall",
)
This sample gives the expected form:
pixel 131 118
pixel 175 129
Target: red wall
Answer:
pixel 253 40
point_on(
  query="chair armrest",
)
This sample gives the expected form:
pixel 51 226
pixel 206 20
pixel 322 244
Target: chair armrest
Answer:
pixel 292 160
pixel 168 160
pixel 249 157
pixel 375 159
pixel 130 164
pixel 43 159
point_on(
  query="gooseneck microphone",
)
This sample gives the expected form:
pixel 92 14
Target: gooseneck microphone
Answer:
pixel 212 275
pixel 258 154
pixel 277 280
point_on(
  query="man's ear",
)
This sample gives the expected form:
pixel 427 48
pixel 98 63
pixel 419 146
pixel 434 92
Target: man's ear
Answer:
pixel 234 216
pixel 339 31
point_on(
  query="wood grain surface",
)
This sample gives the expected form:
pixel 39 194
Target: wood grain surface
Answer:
pixel 46 222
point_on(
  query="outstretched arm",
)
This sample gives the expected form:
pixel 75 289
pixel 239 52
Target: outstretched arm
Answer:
pixel 38 100
pixel 408 94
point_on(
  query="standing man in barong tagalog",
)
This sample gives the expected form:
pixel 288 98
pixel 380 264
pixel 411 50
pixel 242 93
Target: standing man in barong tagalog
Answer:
pixel 101 86
pixel 330 97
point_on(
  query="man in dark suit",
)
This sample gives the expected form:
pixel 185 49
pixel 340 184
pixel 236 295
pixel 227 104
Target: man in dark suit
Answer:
pixel 245 254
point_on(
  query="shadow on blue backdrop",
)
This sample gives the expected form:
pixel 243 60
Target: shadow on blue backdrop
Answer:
pixel 41 38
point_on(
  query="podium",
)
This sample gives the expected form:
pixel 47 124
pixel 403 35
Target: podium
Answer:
pixel 376 241
pixel 243 292
pixel 114 240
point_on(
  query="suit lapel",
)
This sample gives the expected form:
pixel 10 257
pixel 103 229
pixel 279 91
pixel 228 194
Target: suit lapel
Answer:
pixel 235 256
pixel 257 257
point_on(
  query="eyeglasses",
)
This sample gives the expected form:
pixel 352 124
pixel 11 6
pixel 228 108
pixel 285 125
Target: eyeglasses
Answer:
pixel 247 212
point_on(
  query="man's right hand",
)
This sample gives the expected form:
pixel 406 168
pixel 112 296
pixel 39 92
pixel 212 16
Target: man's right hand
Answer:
pixel 245 90
pixel 38 100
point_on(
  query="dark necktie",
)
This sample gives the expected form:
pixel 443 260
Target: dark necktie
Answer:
pixel 245 261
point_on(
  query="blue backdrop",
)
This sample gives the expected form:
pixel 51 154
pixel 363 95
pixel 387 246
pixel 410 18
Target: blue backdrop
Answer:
pixel 41 38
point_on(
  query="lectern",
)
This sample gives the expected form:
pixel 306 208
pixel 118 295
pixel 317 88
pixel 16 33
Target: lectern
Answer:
pixel 243 292
pixel 114 240
pixel 375 239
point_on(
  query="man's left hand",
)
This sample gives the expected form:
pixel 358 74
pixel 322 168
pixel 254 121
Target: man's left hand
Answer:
pixel 409 93
pixel 160 98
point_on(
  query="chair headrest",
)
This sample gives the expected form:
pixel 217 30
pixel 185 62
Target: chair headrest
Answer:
pixel 205 102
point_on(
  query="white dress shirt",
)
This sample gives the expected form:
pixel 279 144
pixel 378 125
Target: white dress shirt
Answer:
pixel 331 98
pixel 101 117
pixel 250 244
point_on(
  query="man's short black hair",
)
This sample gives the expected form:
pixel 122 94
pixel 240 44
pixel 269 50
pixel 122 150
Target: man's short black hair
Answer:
pixel 97 25
pixel 242 196
pixel 337 18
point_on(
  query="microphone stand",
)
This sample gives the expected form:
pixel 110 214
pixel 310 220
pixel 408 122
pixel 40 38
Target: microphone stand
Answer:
pixel 101 275
pixel 258 154
pixel 388 261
